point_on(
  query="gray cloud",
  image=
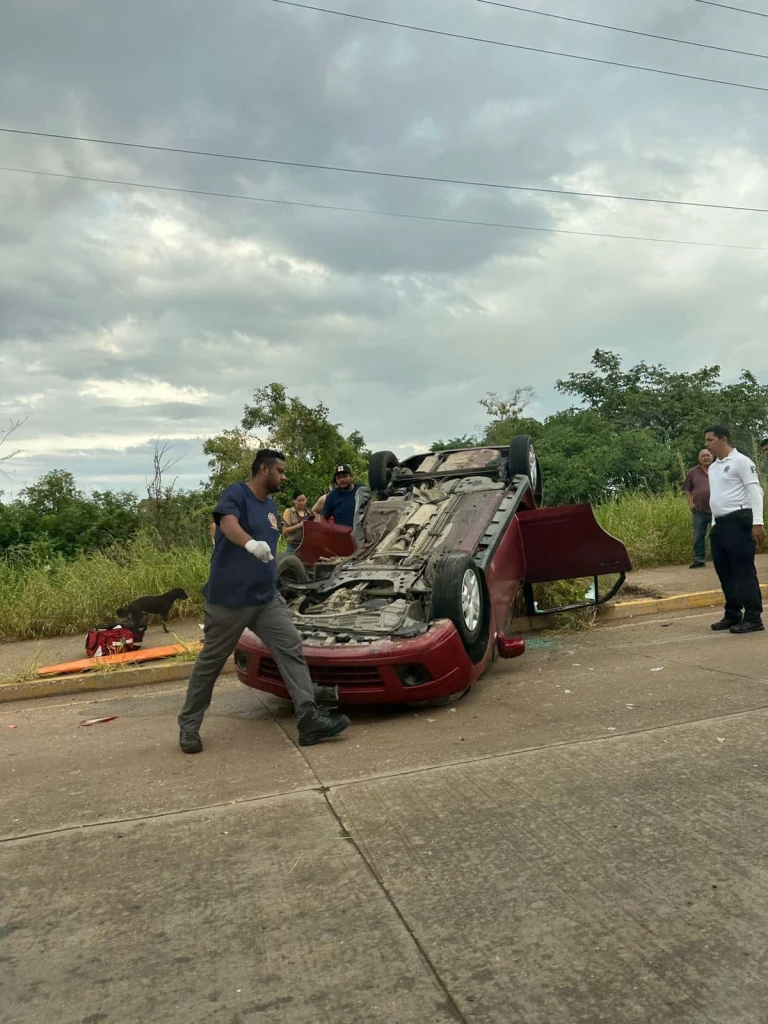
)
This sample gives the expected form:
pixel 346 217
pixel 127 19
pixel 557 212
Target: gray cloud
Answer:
pixel 183 305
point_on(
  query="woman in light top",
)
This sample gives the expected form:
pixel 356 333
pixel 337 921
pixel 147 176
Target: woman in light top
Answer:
pixel 294 519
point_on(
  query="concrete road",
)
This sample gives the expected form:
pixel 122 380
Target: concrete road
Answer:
pixel 581 839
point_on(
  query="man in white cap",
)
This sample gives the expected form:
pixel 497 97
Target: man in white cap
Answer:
pixel 340 503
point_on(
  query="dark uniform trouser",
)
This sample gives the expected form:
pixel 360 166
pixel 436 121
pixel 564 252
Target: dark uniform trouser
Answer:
pixel 273 625
pixel 733 555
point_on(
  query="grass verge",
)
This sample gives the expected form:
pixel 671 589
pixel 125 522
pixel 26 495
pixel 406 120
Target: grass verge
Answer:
pixel 59 597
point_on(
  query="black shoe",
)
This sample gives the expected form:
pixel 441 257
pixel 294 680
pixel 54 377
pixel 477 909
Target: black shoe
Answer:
pixel 190 742
pixel 725 624
pixel 747 627
pixel 697 565
pixel 320 724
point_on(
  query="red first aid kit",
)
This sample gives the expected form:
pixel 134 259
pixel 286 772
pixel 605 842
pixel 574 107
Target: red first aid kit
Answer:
pixel 112 640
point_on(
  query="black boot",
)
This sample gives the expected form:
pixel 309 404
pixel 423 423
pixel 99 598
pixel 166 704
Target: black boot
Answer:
pixel 748 626
pixel 725 624
pixel 318 724
pixel 190 742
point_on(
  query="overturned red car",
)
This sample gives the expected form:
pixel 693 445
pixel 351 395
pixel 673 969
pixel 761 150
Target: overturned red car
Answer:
pixel 412 604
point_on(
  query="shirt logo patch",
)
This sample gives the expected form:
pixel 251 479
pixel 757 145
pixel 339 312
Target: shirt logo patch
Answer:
pixel 727 469
pixel 753 467
pixel 272 520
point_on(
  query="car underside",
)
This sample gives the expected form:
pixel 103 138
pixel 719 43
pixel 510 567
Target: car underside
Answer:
pixel 411 604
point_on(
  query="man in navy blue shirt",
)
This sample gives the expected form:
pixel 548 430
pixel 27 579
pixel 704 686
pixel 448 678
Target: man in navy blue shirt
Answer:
pixel 241 593
pixel 340 503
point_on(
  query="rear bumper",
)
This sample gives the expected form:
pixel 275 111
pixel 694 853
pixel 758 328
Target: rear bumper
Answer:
pixel 368 674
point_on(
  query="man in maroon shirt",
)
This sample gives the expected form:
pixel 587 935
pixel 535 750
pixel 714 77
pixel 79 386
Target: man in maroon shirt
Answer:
pixel 696 489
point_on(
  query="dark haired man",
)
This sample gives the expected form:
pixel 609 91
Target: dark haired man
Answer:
pixel 764 447
pixel 241 593
pixel 340 501
pixel 736 500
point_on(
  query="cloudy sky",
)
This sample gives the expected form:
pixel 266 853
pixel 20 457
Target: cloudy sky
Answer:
pixel 128 314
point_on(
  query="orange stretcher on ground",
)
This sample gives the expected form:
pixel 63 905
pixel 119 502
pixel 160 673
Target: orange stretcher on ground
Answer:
pixel 128 658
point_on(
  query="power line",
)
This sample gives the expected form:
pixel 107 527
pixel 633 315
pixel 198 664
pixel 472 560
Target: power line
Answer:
pixel 727 7
pixel 383 213
pixel 370 172
pixel 627 31
pixel 519 46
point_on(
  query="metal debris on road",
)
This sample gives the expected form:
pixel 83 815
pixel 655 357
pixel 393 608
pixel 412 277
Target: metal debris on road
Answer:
pixel 97 721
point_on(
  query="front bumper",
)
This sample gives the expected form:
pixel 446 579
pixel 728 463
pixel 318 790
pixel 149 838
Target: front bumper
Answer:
pixel 371 673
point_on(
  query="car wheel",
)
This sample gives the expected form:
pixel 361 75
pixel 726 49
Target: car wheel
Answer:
pixel 380 470
pixel 290 570
pixel 458 594
pixel 523 461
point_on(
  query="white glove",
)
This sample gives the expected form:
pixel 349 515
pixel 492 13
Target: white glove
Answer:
pixel 259 549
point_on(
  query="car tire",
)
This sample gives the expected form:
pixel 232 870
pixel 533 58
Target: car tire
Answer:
pixel 380 470
pixel 458 594
pixel 290 570
pixel 523 461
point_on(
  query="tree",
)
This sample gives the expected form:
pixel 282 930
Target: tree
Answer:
pixel 583 458
pixel 158 489
pixel 313 446
pixel 465 441
pixel 230 455
pixel 54 509
pixel 676 407
pixel 7 454
pixel 635 427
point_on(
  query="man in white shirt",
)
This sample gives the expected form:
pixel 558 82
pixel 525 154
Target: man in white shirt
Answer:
pixel 736 500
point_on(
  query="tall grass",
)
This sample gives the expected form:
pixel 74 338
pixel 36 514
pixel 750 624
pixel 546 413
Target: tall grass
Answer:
pixel 58 596
pixel 53 596
pixel 655 528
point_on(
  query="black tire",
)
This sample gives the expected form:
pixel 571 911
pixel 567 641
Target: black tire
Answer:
pixel 289 571
pixel 458 594
pixel 522 461
pixel 380 470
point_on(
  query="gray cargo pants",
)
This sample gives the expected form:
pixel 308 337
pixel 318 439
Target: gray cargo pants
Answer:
pixel 273 625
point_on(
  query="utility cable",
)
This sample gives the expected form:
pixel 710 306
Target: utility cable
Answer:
pixel 519 46
pixel 627 31
pixel 370 172
pixel 727 7
pixel 383 213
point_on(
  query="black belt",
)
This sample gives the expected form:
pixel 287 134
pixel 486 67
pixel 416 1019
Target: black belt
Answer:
pixel 736 514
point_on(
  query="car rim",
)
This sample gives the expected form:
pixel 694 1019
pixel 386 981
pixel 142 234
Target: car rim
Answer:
pixel 533 470
pixel 470 600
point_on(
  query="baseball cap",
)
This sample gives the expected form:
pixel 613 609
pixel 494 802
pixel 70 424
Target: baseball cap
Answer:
pixel 340 470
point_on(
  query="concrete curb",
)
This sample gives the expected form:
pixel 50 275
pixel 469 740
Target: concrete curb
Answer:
pixel 641 606
pixel 94 682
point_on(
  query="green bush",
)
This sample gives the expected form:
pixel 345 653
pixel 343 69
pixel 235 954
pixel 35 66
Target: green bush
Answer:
pixel 55 596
